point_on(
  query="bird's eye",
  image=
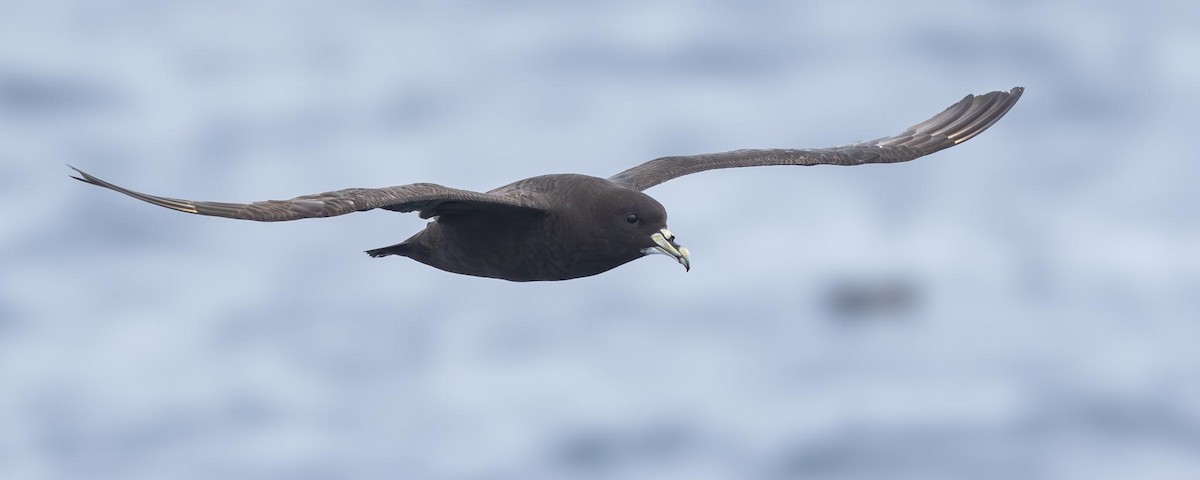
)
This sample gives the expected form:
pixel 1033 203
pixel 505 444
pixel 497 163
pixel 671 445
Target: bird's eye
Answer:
pixel 631 218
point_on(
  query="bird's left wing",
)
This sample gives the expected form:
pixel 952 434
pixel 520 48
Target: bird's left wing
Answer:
pixel 958 123
pixel 426 198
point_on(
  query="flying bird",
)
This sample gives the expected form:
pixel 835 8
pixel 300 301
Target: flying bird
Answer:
pixel 564 226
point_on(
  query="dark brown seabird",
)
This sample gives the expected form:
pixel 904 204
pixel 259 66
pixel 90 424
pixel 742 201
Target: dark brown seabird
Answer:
pixel 563 226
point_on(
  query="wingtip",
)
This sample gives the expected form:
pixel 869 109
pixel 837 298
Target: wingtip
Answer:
pixel 83 176
pixel 185 206
pixel 997 105
pixel 90 179
pixel 1015 93
pixel 72 167
pixel 1009 96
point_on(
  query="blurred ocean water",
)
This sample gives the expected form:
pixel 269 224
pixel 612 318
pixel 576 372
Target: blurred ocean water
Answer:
pixel 1025 305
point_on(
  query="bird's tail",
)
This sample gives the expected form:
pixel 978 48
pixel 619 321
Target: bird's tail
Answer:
pixel 397 249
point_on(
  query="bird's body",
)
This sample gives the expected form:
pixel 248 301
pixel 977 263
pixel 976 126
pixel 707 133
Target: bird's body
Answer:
pixel 564 226
pixel 515 243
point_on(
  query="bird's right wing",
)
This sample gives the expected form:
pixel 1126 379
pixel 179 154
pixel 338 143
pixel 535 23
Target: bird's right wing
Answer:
pixel 426 198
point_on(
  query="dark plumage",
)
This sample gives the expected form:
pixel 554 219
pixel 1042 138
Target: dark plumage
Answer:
pixel 558 227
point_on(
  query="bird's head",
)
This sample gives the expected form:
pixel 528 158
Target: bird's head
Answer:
pixel 638 225
pixel 600 225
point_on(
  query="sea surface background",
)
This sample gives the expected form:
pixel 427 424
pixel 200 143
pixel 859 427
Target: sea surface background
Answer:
pixel 1022 306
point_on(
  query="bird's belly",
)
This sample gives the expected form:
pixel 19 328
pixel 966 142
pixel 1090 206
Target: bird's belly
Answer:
pixel 512 250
